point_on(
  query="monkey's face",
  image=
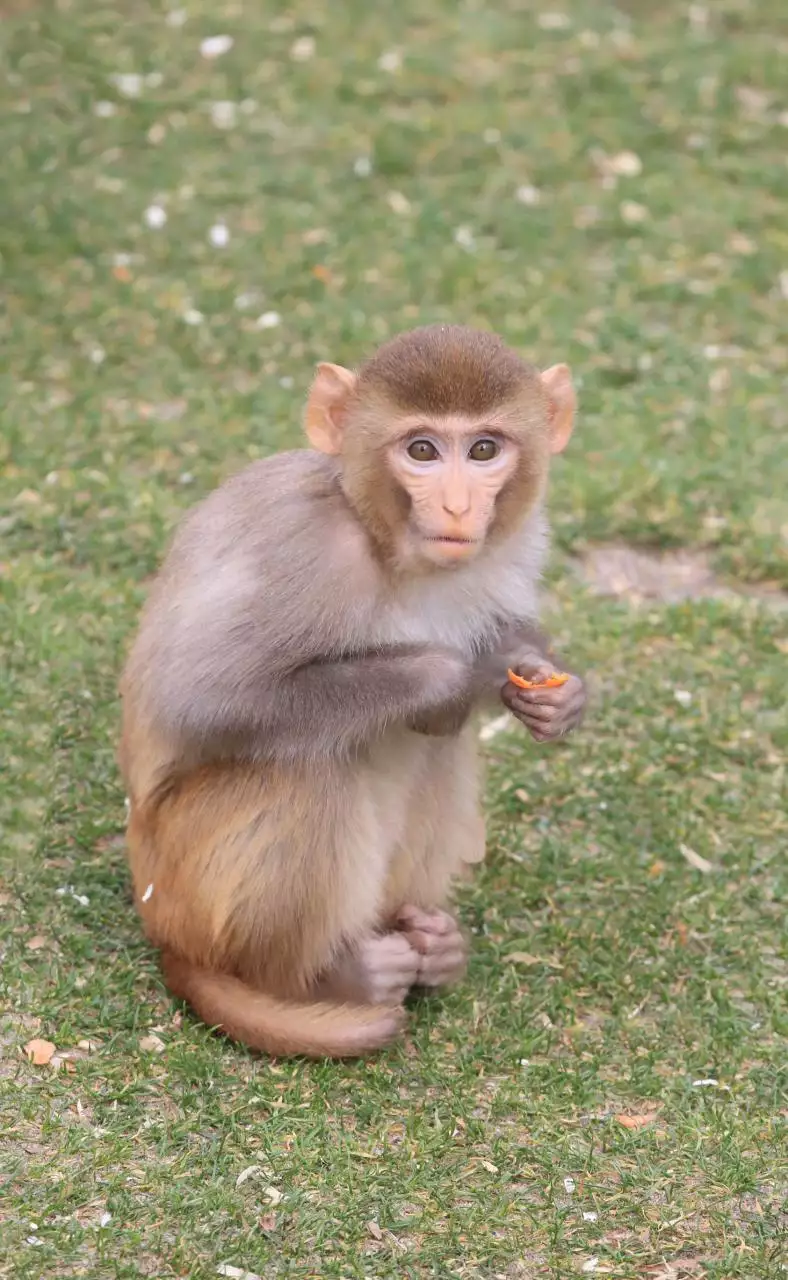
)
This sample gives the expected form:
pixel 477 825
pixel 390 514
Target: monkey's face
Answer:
pixel 453 470
pixel 443 440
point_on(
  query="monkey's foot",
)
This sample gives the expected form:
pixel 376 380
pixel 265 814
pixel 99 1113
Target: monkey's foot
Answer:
pixel 381 970
pixel 441 948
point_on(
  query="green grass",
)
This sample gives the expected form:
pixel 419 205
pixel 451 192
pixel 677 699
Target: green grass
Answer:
pixel 640 973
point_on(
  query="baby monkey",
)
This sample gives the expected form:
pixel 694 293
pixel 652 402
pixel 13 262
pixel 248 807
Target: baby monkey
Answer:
pixel 298 747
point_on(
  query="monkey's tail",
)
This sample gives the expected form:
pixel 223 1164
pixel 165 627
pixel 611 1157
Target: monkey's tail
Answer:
pixel 280 1027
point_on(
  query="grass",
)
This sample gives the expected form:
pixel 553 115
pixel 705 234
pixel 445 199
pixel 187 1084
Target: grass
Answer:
pixel 609 975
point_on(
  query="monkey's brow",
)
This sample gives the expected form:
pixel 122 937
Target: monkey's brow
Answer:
pixel 451 430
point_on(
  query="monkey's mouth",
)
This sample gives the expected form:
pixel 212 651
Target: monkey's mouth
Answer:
pixel 454 542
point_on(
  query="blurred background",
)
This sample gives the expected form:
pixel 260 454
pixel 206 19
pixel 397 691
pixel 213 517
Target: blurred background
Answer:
pixel 199 202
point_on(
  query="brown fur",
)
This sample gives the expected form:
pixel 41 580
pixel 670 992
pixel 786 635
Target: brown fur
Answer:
pixel 447 369
pixel 287 795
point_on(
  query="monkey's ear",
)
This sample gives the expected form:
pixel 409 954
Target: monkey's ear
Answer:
pixel 557 382
pixel 325 408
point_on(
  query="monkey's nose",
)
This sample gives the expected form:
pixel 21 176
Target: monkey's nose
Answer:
pixel 457 504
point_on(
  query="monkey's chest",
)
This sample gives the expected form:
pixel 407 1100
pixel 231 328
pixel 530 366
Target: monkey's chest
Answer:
pixel 462 610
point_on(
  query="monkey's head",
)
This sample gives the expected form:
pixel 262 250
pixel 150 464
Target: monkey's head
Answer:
pixel 443 439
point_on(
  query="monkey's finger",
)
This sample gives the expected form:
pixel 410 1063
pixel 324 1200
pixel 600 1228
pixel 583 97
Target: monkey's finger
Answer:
pixel 443 967
pixel 536 713
pixel 439 922
pixel 421 941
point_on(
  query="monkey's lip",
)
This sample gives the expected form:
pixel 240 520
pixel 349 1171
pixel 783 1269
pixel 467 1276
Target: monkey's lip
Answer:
pixel 453 542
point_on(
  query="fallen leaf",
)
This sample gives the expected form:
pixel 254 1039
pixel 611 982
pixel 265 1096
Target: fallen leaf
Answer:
pixel 322 273
pixel 36 943
pixel 39 1052
pixel 90 1046
pixel 268 1222
pixel 656 868
pixel 273 1195
pixel 152 1044
pixel 374 1230
pixel 122 274
pixel 246 1174
pixel 637 1122
pixel 695 860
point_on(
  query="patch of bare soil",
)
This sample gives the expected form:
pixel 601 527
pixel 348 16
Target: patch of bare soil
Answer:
pixel 668 577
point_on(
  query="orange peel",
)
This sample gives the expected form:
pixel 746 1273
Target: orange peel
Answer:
pixel 553 681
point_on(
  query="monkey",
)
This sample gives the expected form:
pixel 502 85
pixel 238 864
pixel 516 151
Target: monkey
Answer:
pixel 298 741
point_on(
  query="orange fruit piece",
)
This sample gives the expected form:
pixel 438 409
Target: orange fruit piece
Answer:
pixel 552 682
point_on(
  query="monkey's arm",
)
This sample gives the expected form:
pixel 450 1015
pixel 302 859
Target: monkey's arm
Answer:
pixel 323 708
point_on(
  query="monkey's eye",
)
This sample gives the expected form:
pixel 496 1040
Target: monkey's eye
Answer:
pixel 483 451
pixel 422 451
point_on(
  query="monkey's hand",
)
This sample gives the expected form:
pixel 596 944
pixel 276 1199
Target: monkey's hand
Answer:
pixel 546 713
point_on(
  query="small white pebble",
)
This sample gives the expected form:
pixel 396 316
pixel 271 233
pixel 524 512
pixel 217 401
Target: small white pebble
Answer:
pixel 128 84
pixel 603 804
pixel 268 320
pixel 626 164
pixel 554 21
pixel 302 49
pixel 193 316
pixel 525 1062
pixel 218 235
pixel 569 1186
pixel 224 114
pixel 526 194
pixel 362 166
pixel 464 237
pixel 683 697
pixel 33 1240
pixel 590 1215
pixel 390 61
pixel 97 355
pixel 185 477
pixel 105 1219
pixel 155 216
pixel 176 17
pixel 632 212
pixel 215 46
pixel 148 894
pixel 589 1266
pixel 34 1226
pixel 398 202
pixel 104 109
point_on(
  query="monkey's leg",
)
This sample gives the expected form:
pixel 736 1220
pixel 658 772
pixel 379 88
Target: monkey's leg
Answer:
pixel 260 872
pixel 443 836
